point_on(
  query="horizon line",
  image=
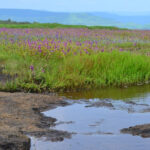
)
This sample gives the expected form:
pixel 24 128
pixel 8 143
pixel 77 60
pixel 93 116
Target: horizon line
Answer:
pixel 113 12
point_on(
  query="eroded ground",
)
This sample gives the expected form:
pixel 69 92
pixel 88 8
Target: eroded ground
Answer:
pixel 141 130
pixel 20 116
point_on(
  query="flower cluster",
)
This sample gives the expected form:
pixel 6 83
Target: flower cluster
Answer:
pixel 66 42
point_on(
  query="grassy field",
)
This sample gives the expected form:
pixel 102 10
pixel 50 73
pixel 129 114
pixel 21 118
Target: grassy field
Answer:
pixel 22 25
pixel 73 58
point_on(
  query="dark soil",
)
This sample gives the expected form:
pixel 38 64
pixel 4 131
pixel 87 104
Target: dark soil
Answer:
pixel 141 130
pixel 20 115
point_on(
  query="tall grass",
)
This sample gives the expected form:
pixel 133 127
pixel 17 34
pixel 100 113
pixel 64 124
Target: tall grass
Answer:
pixel 73 59
pixel 77 72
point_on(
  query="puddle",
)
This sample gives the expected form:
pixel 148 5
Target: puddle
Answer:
pixel 97 122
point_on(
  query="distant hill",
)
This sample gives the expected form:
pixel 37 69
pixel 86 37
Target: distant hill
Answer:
pixel 90 19
pixel 136 18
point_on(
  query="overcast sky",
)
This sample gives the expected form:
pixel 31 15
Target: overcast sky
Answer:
pixel 80 5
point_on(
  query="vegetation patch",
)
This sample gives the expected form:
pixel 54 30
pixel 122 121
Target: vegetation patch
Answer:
pixel 73 59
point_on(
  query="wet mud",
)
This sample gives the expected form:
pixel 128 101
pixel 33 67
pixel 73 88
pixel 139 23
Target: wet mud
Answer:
pixel 21 117
pixel 140 130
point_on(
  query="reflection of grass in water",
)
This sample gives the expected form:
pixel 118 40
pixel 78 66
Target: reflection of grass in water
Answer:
pixel 112 93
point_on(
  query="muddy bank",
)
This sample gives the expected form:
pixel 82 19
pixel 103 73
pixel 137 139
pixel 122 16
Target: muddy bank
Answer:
pixel 141 130
pixel 20 116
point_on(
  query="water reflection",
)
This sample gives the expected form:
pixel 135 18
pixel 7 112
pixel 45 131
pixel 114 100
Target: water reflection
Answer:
pixel 111 93
pixel 98 120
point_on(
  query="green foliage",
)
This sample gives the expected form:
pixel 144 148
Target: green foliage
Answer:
pixel 78 72
pixel 73 59
pixel 7 24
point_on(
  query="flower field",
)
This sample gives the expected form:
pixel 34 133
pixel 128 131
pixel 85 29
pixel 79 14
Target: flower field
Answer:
pixel 74 59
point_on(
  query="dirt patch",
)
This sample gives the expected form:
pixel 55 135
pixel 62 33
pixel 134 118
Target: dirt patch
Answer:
pixel 14 141
pixel 20 115
pixel 141 130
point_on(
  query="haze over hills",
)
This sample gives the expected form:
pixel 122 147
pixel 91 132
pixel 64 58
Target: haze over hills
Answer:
pixel 125 20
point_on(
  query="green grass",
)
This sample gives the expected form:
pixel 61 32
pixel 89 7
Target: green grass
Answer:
pixel 68 60
pixel 52 25
pixel 75 73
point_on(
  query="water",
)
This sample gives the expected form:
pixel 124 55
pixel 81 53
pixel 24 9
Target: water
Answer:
pixel 98 128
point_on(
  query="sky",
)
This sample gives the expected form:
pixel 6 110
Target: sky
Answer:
pixel 80 5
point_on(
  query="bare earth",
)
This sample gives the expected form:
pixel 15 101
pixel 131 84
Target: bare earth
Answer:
pixel 20 116
pixel 141 130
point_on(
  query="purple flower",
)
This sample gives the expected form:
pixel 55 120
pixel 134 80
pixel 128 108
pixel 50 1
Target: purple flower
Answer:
pixel 75 53
pixel 39 48
pixel 31 67
pixel 68 50
pixel 102 50
pixel 64 52
pixel 40 51
pixel 121 49
pixel 78 44
pixel 65 44
pixel 43 70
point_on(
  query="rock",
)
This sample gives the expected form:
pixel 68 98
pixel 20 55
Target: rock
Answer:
pixel 141 130
pixel 14 141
